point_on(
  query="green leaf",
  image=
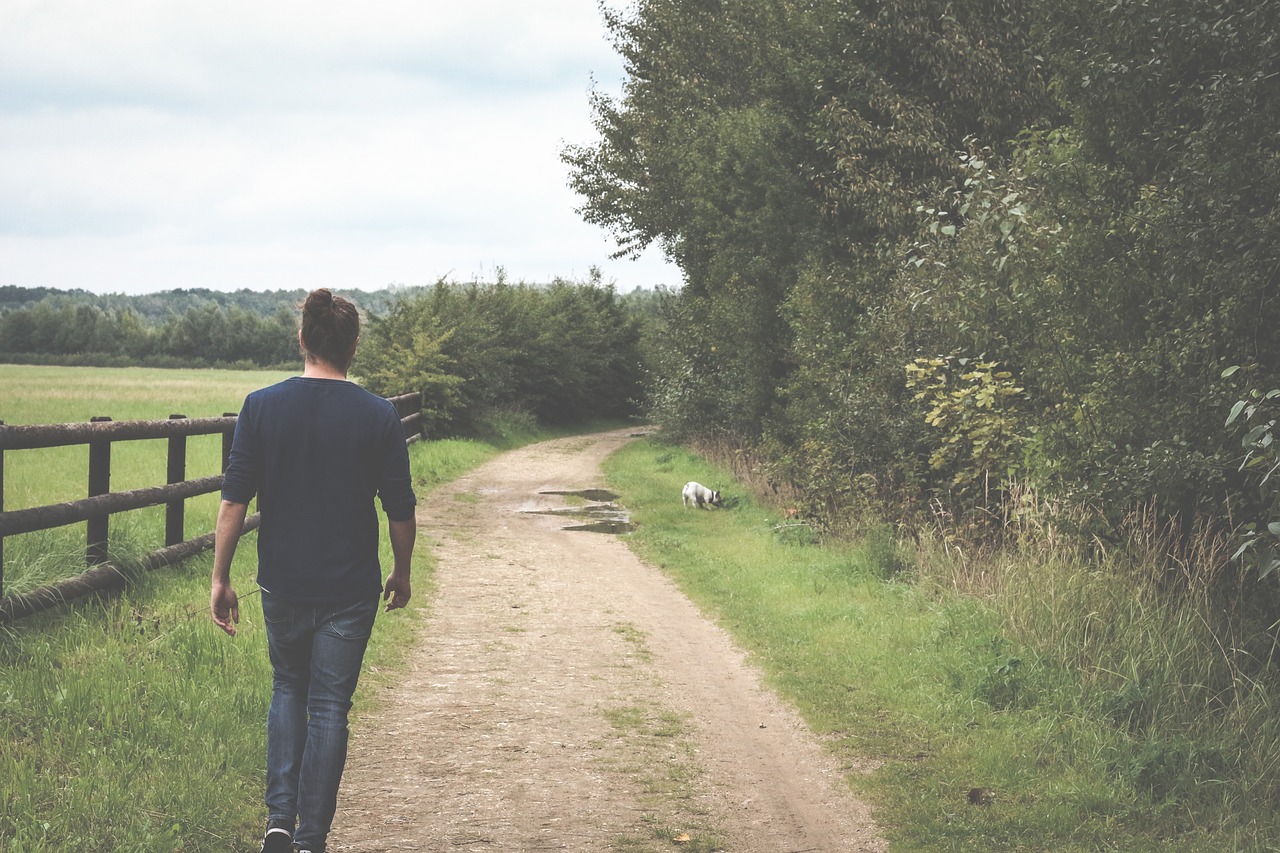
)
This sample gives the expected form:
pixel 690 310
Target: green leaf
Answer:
pixel 1230 371
pixel 1235 412
pixel 1267 563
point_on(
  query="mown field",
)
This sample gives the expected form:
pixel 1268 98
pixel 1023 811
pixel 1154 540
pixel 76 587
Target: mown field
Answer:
pixel 53 395
pixel 48 395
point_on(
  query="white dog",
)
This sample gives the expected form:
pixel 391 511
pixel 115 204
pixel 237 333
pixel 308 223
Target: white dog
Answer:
pixel 699 495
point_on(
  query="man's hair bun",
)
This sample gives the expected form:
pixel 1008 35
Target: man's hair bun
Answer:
pixel 317 300
pixel 330 327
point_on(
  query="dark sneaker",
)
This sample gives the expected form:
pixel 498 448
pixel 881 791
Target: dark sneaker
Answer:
pixel 278 839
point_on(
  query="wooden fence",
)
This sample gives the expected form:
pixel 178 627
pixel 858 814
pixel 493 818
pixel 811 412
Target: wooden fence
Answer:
pixel 99 434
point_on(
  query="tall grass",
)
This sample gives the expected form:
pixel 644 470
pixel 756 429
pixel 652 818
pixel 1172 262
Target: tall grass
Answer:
pixel 1159 642
pixel 130 724
pixel 1111 703
pixel 126 723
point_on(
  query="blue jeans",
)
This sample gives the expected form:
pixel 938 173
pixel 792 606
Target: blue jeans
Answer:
pixel 316 653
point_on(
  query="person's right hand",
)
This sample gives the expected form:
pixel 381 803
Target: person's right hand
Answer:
pixel 224 605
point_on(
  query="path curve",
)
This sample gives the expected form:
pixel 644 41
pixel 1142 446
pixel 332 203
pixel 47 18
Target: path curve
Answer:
pixel 566 696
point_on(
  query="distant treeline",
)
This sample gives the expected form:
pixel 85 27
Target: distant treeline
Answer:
pixel 185 327
pixel 174 328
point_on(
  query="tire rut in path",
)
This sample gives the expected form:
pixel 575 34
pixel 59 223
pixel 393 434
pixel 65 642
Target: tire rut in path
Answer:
pixel 498 737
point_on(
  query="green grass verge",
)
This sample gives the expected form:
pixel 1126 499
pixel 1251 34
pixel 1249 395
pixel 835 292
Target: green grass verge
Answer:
pixel 924 681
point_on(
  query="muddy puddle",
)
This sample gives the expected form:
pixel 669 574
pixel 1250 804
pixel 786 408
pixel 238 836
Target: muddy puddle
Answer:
pixel 600 495
pixel 602 516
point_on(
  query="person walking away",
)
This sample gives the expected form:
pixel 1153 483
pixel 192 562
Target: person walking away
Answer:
pixel 315 450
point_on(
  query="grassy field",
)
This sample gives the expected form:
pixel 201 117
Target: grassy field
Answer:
pixel 1084 709
pixel 132 723
pixel 50 395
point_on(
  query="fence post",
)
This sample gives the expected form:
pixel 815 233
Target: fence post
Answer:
pixel 226 441
pixel 99 484
pixel 174 511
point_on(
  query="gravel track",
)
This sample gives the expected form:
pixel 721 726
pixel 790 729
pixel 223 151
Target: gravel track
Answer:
pixel 564 695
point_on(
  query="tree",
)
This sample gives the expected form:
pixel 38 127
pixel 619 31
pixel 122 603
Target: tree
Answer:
pixel 1083 192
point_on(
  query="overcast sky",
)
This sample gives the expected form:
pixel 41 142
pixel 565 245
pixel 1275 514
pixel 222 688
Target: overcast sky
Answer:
pixel 153 144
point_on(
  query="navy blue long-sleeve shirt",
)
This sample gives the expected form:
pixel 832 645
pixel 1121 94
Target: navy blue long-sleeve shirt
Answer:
pixel 316 452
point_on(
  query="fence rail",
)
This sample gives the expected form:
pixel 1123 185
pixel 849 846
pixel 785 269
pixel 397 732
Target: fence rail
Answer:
pixel 99 434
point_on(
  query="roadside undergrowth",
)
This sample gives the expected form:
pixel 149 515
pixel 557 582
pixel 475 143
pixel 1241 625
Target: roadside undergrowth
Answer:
pixel 1025 700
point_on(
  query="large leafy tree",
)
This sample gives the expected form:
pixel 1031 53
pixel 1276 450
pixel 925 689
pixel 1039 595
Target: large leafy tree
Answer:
pixel 701 155
pixel 1162 271
pixel 774 150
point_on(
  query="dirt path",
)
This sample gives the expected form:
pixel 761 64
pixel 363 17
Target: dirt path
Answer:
pixel 566 696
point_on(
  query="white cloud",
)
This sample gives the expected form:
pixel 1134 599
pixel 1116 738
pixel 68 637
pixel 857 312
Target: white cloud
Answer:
pixel 146 145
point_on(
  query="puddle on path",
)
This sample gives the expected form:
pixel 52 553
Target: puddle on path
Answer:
pixel 598 517
pixel 604 527
pixel 588 494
